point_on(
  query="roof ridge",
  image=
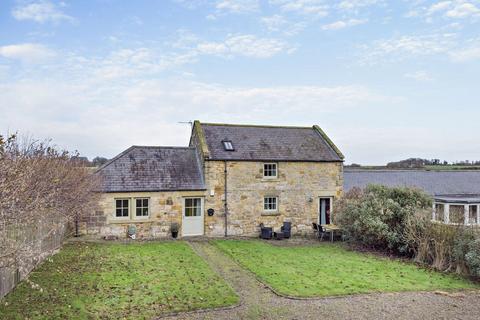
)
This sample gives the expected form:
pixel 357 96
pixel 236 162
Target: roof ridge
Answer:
pixel 162 147
pixel 254 125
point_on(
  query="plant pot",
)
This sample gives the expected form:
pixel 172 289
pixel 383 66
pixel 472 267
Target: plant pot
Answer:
pixel 174 234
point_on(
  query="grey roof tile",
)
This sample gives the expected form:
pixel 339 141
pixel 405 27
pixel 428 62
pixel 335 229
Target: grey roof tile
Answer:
pixel 152 169
pixel 432 182
pixel 266 143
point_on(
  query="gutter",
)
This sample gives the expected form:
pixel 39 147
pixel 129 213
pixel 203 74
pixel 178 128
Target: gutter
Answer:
pixel 225 172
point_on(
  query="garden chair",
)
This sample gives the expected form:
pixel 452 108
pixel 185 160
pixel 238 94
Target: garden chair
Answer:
pixel 323 231
pixel 316 229
pixel 286 229
pixel 265 232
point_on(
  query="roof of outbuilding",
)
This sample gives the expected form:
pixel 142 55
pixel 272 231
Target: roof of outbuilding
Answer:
pixel 432 182
pixel 269 143
pixel 141 168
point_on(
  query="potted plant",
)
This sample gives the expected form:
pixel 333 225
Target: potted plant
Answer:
pixel 174 227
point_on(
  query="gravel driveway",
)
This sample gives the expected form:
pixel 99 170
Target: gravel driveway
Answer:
pixel 259 302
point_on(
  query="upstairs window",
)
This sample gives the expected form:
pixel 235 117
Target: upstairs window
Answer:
pixel 121 208
pixel 227 145
pixel 270 170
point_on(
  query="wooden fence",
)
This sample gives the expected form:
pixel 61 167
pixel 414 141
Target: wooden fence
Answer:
pixel 23 247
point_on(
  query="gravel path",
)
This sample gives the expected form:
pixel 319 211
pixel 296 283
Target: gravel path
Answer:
pixel 259 302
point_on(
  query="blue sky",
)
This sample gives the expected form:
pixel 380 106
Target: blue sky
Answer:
pixel 385 79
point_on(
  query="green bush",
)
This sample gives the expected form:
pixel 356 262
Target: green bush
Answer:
pixel 472 257
pixel 461 247
pixel 377 216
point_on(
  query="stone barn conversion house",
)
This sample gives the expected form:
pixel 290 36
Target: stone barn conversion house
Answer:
pixel 229 180
pixel 456 194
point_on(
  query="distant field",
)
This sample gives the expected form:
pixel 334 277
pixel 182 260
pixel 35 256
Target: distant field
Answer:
pixel 452 167
pixel 428 168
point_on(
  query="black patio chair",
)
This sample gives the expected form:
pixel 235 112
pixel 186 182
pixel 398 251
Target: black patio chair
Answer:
pixel 266 232
pixel 286 229
pixel 316 229
pixel 323 231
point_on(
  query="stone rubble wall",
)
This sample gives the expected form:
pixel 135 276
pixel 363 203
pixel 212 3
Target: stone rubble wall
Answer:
pixel 299 186
pixel 165 209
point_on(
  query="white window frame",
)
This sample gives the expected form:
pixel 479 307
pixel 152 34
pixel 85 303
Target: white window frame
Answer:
pixel 265 202
pixel 228 145
pixel 276 170
pixel 127 217
pixel 185 205
pixel 134 215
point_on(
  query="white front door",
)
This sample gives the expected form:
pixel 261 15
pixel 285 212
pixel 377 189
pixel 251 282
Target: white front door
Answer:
pixel 192 224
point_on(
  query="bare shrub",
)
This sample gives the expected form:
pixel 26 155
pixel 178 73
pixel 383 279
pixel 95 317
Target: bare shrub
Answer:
pixel 444 247
pixel 41 190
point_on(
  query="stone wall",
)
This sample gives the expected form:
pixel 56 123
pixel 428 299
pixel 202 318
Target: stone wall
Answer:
pixel 165 208
pixel 298 187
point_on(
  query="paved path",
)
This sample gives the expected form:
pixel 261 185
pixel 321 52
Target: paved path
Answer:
pixel 259 302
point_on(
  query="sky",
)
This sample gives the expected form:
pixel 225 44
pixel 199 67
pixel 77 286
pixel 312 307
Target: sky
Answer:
pixel 386 80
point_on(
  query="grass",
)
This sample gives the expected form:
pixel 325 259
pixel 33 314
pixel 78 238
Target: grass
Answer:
pixel 116 281
pixel 329 270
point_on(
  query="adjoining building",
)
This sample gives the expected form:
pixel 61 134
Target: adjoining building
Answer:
pixel 229 180
pixel 456 194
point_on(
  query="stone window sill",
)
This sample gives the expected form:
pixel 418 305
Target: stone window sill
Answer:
pixel 270 213
pixel 123 221
pixel 270 179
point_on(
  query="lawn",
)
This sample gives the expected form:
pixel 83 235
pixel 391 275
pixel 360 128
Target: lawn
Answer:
pixel 330 269
pixel 118 281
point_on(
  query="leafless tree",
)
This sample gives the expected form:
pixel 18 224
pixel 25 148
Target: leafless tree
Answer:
pixel 42 190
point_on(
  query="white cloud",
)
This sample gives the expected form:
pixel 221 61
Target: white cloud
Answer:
pixel 27 52
pixel 343 24
pixel 103 118
pixel 316 8
pixel 245 45
pixel 355 4
pixel 421 76
pixel 461 10
pixel 399 48
pixel 455 9
pixel 448 45
pixel 237 6
pixel 274 23
pixel 439 6
pixel 278 23
pixel 40 11
pixel 466 54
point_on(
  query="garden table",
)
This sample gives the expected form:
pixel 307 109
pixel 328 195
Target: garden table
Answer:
pixel 332 228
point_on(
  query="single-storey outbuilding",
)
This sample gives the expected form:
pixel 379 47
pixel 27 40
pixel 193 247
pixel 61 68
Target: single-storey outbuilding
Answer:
pixel 455 193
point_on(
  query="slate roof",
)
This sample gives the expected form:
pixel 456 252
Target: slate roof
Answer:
pixel 269 143
pixel 434 183
pixel 152 169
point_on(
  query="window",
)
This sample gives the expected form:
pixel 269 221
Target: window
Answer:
pixel 121 208
pixel 269 170
pixel 270 203
pixel 141 207
pixel 193 207
pixel 228 145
